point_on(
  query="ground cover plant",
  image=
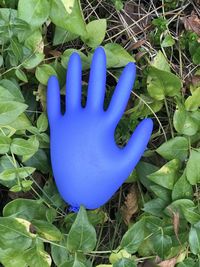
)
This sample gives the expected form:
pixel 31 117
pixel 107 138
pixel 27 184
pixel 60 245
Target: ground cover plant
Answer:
pixel 154 218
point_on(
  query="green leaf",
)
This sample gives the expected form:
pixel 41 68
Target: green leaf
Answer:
pixel 117 56
pixel 21 123
pixel 155 206
pixel 174 148
pixel 162 83
pixel 73 263
pixel 67 14
pixel 192 103
pixel 62 36
pixel 8 175
pixel 21 75
pixel 124 262
pixel 66 55
pixel 27 209
pixel 13 88
pixel 162 244
pixel 161 192
pixel 194 238
pixel 10 110
pixel 11 174
pixel 117 254
pixel 43 72
pixel 82 235
pixel 168 41
pixel 133 237
pixel 22 147
pixel 37 257
pixel 34 12
pixel 184 123
pixel 182 189
pixel 179 206
pixel 12 258
pixel 12 229
pixel 42 122
pixel 39 160
pixel 4 144
pixel 192 215
pixel 47 230
pixel 193 167
pixel 1 60
pixel 166 175
pixel 59 253
pixel 96 31
pixel 160 62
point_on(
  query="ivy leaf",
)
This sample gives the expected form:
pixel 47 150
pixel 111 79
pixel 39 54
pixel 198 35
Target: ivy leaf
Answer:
pixel 166 175
pixel 162 83
pixel 133 237
pixel 193 167
pixel 62 36
pixel 96 31
pixel 43 72
pixel 82 235
pixel 13 88
pixel 182 188
pixel 34 12
pixel 47 230
pixel 155 206
pixel 174 148
pixel 21 75
pixel 42 122
pixel 162 244
pixel 184 123
pixel 194 238
pixel 4 144
pixel 10 110
pixel 12 229
pixel 67 14
pixel 160 62
pixel 192 103
pixel 23 147
pixel 37 257
pixel 12 258
pixel 117 56
pixel 27 209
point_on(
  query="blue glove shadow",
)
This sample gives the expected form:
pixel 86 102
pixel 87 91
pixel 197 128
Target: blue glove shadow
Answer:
pixel 87 164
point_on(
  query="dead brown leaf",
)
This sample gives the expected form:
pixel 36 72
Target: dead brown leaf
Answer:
pixel 192 23
pixel 130 206
pixel 168 263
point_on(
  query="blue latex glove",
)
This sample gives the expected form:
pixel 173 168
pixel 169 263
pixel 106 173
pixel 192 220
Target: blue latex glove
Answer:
pixel 87 164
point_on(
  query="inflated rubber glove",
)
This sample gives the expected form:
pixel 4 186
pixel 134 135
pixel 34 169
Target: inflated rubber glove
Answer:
pixel 87 164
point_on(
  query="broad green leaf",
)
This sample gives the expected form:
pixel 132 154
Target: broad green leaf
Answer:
pixel 155 206
pixel 82 235
pixel 34 12
pixel 182 189
pixel 37 257
pixel 162 83
pixel 187 262
pixel 5 95
pixel 194 238
pixel 14 234
pixel 193 167
pixel 174 148
pixel 161 192
pixel 39 160
pixel 8 175
pixel 192 215
pixel 16 48
pixel 12 258
pixel 166 175
pixel 13 88
pixel 33 60
pixel 22 147
pixel 179 206
pixel 43 73
pixel 42 122
pixel 73 263
pixel 67 14
pixel 47 230
pixel 21 75
pixel 27 209
pixel 160 62
pixel 62 36
pixel 21 123
pixel 117 56
pixel 162 244
pixel 168 41
pixel 117 255
pixel 133 237
pixel 66 55
pixel 96 31
pixel 124 262
pixel 192 103
pixel 4 144
pixel 10 110
pixel 11 174
pixel 184 123
pixel 59 253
